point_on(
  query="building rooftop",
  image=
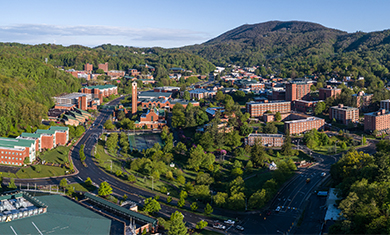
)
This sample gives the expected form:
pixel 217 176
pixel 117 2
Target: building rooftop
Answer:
pixel 214 110
pixel 63 216
pixel 12 142
pixel 264 135
pixel 342 107
pixel 59 128
pixel 152 94
pixel 71 96
pixel 270 102
pixel 101 87
pixel 378 113
pixel 30 135
pixel 41 131
pixel 310 118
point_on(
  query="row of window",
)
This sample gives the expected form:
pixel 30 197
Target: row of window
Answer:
pixel 13 158
pixel 13 153
pixel 12 163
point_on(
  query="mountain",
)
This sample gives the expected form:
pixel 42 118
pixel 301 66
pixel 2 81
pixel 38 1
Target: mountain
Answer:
pixel 295 48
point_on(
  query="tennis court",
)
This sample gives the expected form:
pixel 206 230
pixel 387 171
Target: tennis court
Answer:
pixel 141 142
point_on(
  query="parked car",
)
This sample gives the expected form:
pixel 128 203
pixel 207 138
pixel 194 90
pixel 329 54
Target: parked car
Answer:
pixel 323 174
pixel 219 226
pixel 229 222
pixel 277 209
pixel 238 227
pixel 307 180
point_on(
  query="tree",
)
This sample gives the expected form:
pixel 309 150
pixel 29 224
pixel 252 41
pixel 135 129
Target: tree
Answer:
pixel 63 183
pixel 178 116
pixel 287 146
pixel 176 224
pixel 11 184
pixel 258 154
pixel 278 116
pixel 343 145
pixel 151 206
pixel 181 202
pixel 220 199
pixel 194 206
pixel 88 182
pixel 270 128
pixel 204 178
pixel 364 140
pixel 131 178
pixel 183 194
pixel 181 179
pixel 246 129
pixel 208 209
pixel 108 125
pixel 100 71
pixel 201 192
pixel 201 224
pixel 186 95
pixel 320 107
pixel 237 201
pixel 258 199
pixel 104 189
pixel 169 199
pixel 219 96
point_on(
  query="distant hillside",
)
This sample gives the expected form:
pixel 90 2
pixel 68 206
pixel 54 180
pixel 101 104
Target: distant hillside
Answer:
pixel 295 48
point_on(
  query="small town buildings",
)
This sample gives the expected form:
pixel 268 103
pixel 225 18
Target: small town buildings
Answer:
pixel 267 140
pixel 344 114
pixel 329 91
pixel 257 109
pixel 379 121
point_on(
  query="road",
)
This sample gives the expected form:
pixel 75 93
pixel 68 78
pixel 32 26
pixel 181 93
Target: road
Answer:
pixel 292 198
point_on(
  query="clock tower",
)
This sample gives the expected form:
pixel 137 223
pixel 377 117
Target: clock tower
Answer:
pixel 134 98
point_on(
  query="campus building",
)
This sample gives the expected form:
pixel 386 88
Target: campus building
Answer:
pixel 363 100
pixel 300 123
pixel 152 118
pixel 88 68
pixel 304 106
pixel 100 91
pixel 267 140
pixel 200 93
pixel 298 89
pixel 385 104
pixel 345 114
pixel 104 67
pixel 329 91
pixel 80 100
pixel 379 121
pixel 257 109
pixel 166 103
pixel 13 151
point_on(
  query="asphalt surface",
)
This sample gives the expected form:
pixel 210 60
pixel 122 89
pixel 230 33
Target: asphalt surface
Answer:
pixel 294 198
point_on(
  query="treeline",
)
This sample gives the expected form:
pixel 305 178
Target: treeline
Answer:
pixel 26 90
pixel 363 181
pixel 118 57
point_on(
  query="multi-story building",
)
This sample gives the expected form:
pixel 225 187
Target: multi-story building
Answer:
pixel 257 109
pixel 202 93
pixel 385 104
pixel 303 123
pixel 267 140
pixel 304 106
pixel 104 67
pixel 363 100
pixel 379 121
pixel 115 73
pixel 329 91
pixel 298 89
pixel 100 91
pixel 80 100
pixel 88 68
pixel 344 114
pixel 152 118
pixel 166 103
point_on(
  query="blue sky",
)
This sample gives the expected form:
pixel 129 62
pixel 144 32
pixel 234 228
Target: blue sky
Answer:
pixel 172 23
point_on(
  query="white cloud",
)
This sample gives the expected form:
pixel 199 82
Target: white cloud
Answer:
pixel 97 35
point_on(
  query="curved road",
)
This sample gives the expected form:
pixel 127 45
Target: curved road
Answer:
pixel 291 198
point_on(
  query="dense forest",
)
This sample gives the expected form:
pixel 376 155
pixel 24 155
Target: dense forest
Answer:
pixel 26 90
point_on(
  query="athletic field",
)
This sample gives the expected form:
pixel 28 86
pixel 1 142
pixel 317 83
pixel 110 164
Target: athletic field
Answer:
pixel 141 142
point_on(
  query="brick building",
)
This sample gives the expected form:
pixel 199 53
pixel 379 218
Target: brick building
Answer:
pixel 385 104
pixel 329 91
pixel 257 109
pixel 152 118
pixel 344 114
pixel 14 151
pixel 80 100
pixel 304 106
pixel 298 89
pixel 379 121
pixel 48 138
pixel 134 72
pixel 277 95
pixel 303 123
pixel 267 140
pixel 100 91
pixel 171 89
pixel 202 93
pixel 165 103
pixel 104 67
pixel 88 68
pixel 363 100
pixel 115 73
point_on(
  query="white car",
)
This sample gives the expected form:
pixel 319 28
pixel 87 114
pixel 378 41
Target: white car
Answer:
pixel 323 174
pixel 238 227
pixel 219 226
pixel 229 222
pixel 277 209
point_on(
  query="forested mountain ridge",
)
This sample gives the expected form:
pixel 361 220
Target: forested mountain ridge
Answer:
pixel 300 48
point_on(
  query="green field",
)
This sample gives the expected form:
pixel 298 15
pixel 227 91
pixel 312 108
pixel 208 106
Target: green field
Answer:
pixel 46 171
pixel 58 155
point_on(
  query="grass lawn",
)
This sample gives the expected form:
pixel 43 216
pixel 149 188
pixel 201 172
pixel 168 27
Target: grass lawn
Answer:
pixel 257 182
pixel 46 171
pixel 7 174
pixel 83 187
pixel 58 155
pixel 105 159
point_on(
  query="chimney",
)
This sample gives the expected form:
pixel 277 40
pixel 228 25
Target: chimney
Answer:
pixel 341 105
